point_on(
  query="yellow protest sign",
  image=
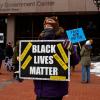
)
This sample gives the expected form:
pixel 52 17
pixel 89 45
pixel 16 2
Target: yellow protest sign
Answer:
pixel 62 52
pixel 26 62
pixel 25 51
pixel 60 61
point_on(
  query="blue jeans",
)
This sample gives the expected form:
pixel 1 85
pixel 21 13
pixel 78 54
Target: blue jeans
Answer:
pixel 85 73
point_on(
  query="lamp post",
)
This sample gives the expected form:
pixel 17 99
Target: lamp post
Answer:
pixel 97 3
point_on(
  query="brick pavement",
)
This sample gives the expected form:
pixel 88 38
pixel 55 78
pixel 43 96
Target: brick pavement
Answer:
pixel 13 90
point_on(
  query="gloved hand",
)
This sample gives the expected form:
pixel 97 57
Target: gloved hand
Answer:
pixel 68 45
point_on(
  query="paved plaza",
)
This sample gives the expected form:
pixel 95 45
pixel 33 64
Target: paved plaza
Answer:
pixel 13 90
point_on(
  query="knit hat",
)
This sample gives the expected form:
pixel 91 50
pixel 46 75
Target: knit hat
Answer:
pixel 88 42
pixel 91 41
pixel 53 21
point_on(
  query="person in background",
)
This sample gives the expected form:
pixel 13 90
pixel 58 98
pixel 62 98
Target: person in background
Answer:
pixel 15 62
pixel 74 58
pixel 8 56
pixel 85 54
pixel 9 50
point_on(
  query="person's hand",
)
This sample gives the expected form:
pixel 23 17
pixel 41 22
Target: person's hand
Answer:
pixel 67 44
pixel 18 58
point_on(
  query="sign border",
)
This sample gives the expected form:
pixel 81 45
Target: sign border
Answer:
pixel 20 41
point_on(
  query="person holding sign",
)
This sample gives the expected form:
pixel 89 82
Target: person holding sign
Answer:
pixel 15 62
pixel 46 89
pixel 86 60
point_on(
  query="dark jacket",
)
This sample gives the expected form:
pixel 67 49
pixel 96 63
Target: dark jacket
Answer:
pixel 45 88
pixel 74 57
pixel 15 54
pixel 1 54
pixel 9 51
pixel 15 62
pixel 85 55
pixel 47 34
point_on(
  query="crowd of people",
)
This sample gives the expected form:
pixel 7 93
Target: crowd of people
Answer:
pixel 52 90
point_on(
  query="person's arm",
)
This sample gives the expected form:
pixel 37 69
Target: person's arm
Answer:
pixel 68 45
pixel 14 57
pixel 82 51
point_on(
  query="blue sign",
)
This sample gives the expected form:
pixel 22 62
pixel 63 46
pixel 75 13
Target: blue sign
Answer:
pixel 76 35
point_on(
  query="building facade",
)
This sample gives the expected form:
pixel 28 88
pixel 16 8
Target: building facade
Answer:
pixel 22 19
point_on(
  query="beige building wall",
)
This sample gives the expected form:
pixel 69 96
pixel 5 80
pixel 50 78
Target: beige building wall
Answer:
pixel 81 5
pixel 90 5
pixel 10 29
pixel 37 6
pixel 31 6
pixel 77 5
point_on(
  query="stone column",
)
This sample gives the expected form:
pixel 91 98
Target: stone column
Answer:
pixel 10 29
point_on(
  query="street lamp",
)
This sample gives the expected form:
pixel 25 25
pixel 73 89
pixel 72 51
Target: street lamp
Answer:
pixel 97 3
